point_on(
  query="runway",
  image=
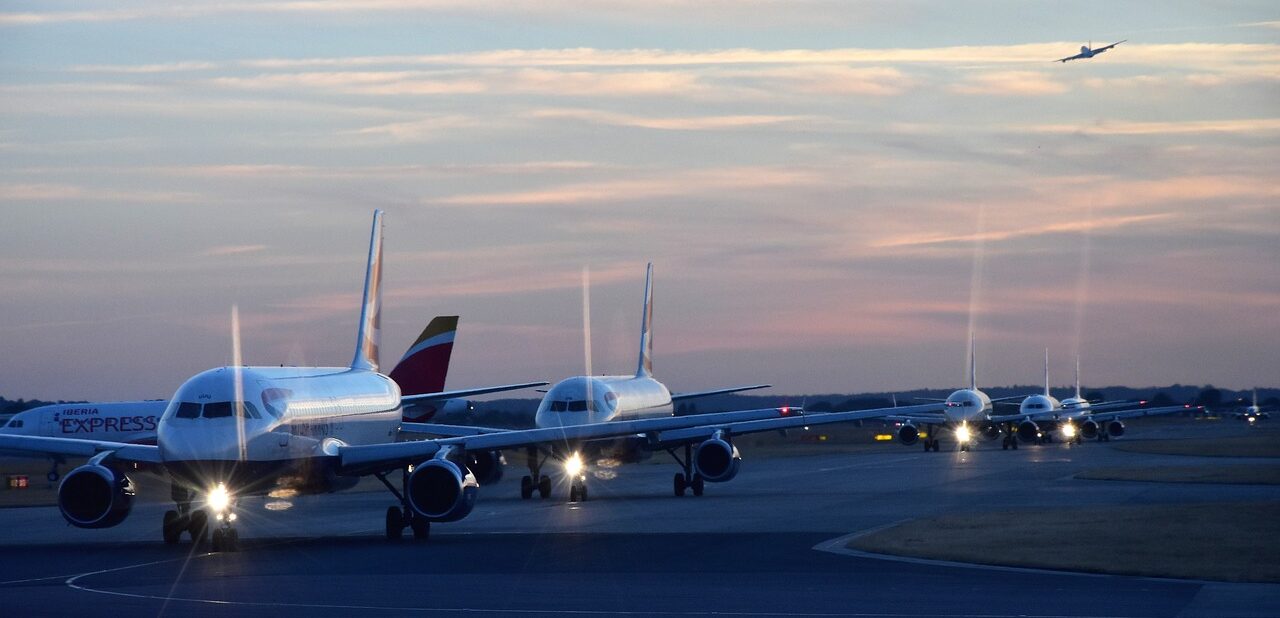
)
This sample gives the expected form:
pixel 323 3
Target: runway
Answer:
pixel 746 548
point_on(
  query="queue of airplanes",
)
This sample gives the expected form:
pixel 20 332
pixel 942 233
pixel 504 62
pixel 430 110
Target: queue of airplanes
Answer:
pixel 237 431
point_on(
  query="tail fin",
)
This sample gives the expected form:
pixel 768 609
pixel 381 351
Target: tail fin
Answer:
pixel 1046 372
pixel 371 309
pixel 973 361
pixel 1077 376
pixel 425 365
pixel 645 368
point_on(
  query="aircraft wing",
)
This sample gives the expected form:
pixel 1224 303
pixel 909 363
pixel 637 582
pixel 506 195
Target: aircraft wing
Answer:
pixel 1102 49
pixel 673 437
pixel 449 431
pixel 1075 57
pixel 1111 416
pixel 721 391
pixel 467 392
pixel 75 447
pixel 368 458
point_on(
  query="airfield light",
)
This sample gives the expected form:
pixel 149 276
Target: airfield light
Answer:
pixel 962 433
pixel 218 499
pixel 573 465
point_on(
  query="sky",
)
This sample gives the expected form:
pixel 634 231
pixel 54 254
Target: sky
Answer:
pixel 833 194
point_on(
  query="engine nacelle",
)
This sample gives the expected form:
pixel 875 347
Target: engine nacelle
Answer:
pixel 1028 431
pixel 485 465
pixel 908 434
pixel 1089 429
pixel 1115 429
pixel 95 496
pixel 990 431
pixel 717 460
pixel 440 490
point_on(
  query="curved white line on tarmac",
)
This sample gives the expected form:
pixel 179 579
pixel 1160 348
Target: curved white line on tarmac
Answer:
pixel 839 545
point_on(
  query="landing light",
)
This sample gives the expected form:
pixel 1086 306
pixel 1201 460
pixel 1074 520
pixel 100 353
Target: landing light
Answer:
pixel 218 498
pixel 573 465
pixel 962 433
pixel 1069 430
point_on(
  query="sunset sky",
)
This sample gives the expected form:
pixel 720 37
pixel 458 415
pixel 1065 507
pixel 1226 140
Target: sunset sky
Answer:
pixel 832 193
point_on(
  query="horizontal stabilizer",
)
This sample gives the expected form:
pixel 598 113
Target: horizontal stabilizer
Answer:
pixel 467 392
pixel 722 391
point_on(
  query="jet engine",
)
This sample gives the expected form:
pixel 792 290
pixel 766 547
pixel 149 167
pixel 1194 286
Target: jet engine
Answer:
pixel 990 431
pixel 1089 429
pixel 717 460
pixel 485 465
pixel 1115 429
pixel 908 434
pixel 1028 431
pixel 95 496
pixel 440 490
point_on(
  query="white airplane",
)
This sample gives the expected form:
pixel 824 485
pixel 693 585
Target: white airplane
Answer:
pixel 1253 413
pixel 234 431
pixel 966 412
pixel 1086 53
pixel 606 400
pixel 420 372
pixel 1040 416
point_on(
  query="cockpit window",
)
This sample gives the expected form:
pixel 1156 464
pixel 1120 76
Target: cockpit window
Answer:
pixel 274 400
pixel 187 409
pixel 14 423
pixel 578 406
pixel 968 403
pixel 247 409
pixel 559 406
pixel 220 409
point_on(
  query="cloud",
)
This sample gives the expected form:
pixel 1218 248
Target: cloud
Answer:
pixel 1011 83
pixel 59 192
pixel 1105 223
pixel 226 250
pixel 694 123
pixel 1175 127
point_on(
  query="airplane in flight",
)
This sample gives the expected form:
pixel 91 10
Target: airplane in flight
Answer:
pixel 607 400
pixel 1086 52
pixel 234 431
pixel 420 372
pixel 1076 418
pixel 1253 413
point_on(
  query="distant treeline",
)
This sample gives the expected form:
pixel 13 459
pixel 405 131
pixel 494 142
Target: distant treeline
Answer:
pixel 519 412
pixel 14 406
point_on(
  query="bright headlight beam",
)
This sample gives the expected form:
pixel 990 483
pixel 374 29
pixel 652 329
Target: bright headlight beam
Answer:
pixel 218 498
pixel 1069 430
pixel 962 433
pixel 573 465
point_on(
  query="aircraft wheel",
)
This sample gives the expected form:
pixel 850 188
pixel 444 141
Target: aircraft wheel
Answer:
pixel 421 528
pixel 698 484
pixel 215 545
pixel 573 493
pixel 198 526
pixel 679 485
pixel 526 487
pixel 1013 443
pixel 582 493
pixel 231 540
pixel 544 487
pixel 395 523
pixel 172 527
pixel 937 446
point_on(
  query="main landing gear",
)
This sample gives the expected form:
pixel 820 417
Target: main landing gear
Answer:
pixel 401 517
pixel 535 480
pixel 1010 440
pixel 184 518
pixel 687 479
pixel 931 442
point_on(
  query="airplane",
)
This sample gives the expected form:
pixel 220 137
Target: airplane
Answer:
pixel 234 431
pixel 420 372
pixel 607 400
pixel 1253 413
pixel 1086 53
pixel 965 412
pixel 1075 418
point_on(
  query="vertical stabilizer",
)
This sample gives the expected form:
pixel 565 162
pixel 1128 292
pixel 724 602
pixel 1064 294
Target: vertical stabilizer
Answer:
pixel 1046 372
pixel 645 368
pixel 371 309
pixel 425 364
pixel 973 361
pixel 1077 376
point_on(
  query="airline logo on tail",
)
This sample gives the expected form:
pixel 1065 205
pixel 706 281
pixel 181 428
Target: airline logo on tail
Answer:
pixel 646 327
pixel 371 311
pixel 425 365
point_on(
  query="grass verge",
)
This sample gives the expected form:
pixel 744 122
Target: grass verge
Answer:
pixel 1218 541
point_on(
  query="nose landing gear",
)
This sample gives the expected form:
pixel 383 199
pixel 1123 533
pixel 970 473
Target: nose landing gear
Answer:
pixel 184 518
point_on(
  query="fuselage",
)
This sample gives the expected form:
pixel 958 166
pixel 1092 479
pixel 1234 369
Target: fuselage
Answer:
pixel 967 405
pixel 249 426
pixel 600 399
pixel 1045 404
pixel 133 422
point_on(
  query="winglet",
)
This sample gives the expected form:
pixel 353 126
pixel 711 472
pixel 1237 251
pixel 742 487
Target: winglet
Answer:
pixel 371 308
pixel 425 365
pixel 645 368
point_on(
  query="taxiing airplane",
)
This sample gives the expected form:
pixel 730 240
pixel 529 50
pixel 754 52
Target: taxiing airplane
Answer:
pixel 1253 413
pixel 234 431
pixel 612 400
pixel 1086 52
